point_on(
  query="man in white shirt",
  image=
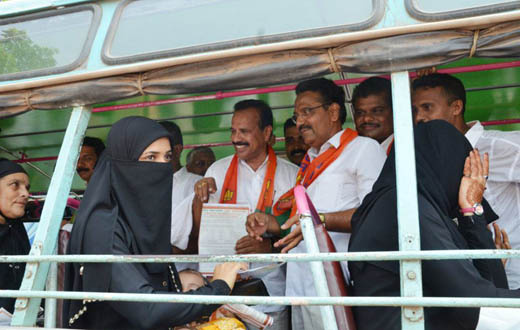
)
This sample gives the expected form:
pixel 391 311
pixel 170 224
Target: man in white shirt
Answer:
pixel 338 171
pixel 254 166
pixel 372 101
pixel 441 96
pixel 182 187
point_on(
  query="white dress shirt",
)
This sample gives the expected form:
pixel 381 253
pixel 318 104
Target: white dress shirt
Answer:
pixel 503 185
pixel 341 186
pixel 183 186
pixel 249 187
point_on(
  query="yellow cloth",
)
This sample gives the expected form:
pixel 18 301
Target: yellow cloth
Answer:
pixel 223 323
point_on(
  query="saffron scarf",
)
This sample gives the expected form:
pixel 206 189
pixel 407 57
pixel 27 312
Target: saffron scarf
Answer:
pixel 389 147
pixel 309 171
pixel 265 200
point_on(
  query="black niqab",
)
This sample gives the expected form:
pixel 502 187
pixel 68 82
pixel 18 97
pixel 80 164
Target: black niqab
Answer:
pixel 138 193
pixel 13 241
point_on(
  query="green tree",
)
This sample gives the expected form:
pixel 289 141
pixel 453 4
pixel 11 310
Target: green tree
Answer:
pixel 19 53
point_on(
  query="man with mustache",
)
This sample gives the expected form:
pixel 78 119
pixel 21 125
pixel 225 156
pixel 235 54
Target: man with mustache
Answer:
pixel 338 170
pixel 89 154
pixel 295 147
pixel 372 101
pixel 255 176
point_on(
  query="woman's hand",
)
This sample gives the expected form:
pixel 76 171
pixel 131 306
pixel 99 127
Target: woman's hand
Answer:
pixel 228 272
pixel 473 182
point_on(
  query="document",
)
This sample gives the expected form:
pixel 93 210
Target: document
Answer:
pixel 221 226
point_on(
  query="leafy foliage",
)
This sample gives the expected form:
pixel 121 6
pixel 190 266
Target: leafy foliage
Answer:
pixel 19 53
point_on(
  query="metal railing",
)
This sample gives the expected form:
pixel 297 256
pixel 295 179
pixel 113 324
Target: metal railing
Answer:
pixel 51 294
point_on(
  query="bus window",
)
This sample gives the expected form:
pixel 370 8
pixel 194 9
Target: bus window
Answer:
pixel 428 10
pixel 185 26
pixel 46 43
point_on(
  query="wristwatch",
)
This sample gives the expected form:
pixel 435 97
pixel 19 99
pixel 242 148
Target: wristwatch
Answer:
pixel 477 209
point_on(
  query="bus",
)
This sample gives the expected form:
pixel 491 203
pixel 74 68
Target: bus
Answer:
pixel 70 68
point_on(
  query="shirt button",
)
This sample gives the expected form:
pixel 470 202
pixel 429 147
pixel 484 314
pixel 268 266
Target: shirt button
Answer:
pixel 164 283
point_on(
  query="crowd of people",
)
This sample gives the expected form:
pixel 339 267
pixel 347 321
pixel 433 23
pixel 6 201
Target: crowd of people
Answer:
pixel 140 200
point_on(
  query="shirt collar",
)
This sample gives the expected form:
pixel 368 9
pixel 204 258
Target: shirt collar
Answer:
pixel 334 141
pixel 387 141
pixel 475 132
pixel 244 163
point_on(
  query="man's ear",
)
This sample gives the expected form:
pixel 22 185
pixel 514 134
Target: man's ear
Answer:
pixel 456 107
pixel 268 131
pixel 334 110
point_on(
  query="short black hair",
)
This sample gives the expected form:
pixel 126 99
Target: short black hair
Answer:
pixel 329 91
pixel 263 109
pixel 174 131
pixel 452 87
pixel 373 86
pixel 202 149
pixel 288 123
pixel 95 143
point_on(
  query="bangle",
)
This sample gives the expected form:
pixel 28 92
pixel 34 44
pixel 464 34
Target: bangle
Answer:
pixel 322 219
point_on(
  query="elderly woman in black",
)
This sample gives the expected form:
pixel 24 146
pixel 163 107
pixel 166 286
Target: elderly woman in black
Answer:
pixel 126 210
pixel 14 193
pixel 450 218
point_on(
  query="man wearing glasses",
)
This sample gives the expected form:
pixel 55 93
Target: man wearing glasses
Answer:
pixel 338 170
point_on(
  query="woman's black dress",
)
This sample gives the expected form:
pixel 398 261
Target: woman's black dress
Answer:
pixel 440 152
pixel 126 209
pixel 13 241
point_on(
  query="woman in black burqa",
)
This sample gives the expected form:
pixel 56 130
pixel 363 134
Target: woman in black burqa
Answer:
pixel 126 210
pixel 441 153
pixel 14 194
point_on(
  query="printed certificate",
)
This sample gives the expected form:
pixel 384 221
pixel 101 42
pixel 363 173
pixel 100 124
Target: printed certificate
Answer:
pixel 221 226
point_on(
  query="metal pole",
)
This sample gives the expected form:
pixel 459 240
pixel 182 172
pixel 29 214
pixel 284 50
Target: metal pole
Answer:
pixel 51 304
pixel 348 93
pixel 45 240
pixel 268 300
pixel 407 209
pixel 270 258
pixel 318 273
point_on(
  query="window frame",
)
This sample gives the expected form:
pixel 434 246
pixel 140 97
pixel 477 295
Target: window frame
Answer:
pixel 84 53
pixel 375 17
pixel 414 11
